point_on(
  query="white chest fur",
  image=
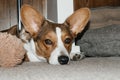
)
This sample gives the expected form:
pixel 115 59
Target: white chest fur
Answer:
pixel 31 52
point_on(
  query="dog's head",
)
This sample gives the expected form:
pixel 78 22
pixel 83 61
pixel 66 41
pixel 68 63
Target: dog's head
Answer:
pixel 53 41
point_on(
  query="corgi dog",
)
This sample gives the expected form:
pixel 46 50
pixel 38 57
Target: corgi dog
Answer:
pixel 46 41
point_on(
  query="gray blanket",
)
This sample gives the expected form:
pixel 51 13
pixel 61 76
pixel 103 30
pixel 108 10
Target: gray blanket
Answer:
pixel 103 41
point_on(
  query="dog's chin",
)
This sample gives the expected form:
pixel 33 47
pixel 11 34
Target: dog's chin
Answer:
pixel 54 62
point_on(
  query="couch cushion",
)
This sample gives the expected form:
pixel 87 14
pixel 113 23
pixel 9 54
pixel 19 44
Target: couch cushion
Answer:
pixel 87 69
pixel 103 41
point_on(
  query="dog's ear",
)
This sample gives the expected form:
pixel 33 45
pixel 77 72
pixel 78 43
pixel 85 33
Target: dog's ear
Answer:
pixel 78 20
pixel 31 19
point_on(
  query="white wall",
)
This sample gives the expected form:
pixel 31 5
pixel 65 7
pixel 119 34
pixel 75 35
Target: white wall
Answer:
pixel 64 9
pixel 59 10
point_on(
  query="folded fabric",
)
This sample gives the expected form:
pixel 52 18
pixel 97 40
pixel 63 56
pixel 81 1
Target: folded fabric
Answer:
pixel 103 41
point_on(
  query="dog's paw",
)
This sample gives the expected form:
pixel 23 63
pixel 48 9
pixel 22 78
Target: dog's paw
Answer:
pixel 77 56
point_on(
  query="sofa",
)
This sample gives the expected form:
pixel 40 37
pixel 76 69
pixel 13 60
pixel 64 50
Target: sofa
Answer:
pixel 100 42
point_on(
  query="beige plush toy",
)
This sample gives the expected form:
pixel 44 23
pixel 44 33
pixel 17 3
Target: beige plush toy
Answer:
pixel 11 50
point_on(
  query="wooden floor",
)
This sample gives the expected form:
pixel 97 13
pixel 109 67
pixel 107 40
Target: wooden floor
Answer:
pixel 8 11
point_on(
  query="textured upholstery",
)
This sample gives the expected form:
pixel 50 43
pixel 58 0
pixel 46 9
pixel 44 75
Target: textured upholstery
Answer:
pixel 107 68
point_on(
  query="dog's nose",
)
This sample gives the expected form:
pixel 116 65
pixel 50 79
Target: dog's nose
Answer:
pixel 63 59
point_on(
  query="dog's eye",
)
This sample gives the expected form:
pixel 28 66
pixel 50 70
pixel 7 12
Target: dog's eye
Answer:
pixel 67 41
pixel 48 42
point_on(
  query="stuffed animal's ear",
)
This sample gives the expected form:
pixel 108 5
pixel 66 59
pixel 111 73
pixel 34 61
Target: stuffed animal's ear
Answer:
pixel 78 20
pixel 31 19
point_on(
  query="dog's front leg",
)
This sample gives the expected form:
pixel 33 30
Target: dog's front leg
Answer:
pixel 76 54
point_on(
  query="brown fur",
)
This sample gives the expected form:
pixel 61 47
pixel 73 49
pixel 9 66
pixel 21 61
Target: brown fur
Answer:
pixel 12 30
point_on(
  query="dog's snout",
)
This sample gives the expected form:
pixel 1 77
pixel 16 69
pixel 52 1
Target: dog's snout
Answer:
pixel 63 59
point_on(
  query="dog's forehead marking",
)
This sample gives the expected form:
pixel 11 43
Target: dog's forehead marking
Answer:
pixel 58 32
pixel 60 43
